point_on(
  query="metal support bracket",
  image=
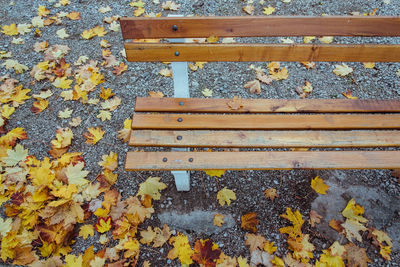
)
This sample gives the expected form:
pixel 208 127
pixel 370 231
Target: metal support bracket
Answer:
pixel 181 90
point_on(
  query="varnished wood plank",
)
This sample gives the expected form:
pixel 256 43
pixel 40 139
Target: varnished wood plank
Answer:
pixel 265 139
pixel 245 26
pixel 214 105
pixel 262 52
pixel 261 160
pixel 265 122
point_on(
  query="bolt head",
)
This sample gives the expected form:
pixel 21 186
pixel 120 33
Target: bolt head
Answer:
pixel 164 159
pixel 180 103
pixel 174 28
pixel 177 54
pixel 190 159
pixel 179 137
pixel 179 120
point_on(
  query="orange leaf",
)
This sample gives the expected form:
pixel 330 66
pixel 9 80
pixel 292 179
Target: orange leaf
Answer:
pixel 205 254
pixel 39 106
pixel 74 15
pixel 250 222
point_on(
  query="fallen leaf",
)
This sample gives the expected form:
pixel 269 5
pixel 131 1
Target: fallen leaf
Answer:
pixel 10 29
pixel 205 253
pixel 225 196
pixel 270 193
pixel 105 9
pixel 165 72
pixel 349 95
pixel 218 220
pixel 93 135
pixel 314 218
pixel 207 92
pixel 62 33
pixel 75 122
pixel 162 236
pixel 319 186
pixel 369 65
pixel 39 106
pixel 74 15
pixel 158 94
pixel 249 222
pixel 151 187
pixel 268 10
pixel 170 5
pixel 118 70
pixel 260 257
pixel 352 229
pixel 65 114
pixel 216 173
pixel 103 225
pixel 249 9
pixel 355 256
pixel 342 70
pixel 269 247
pixel 235 103
pixel 86 231
pixel 254 86
pixel 326 39
pixel 104 115
pixel 147 236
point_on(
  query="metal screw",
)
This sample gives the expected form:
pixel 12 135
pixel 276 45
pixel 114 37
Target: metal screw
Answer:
pixel 174 28
pixel 180 103
pixel 177 54
pixel 190 159
pixel 179 120
pixel 165 159
pixel 179 137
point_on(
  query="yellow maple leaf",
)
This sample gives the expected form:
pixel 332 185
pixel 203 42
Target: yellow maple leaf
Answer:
pixel 249 9
pixel 218 220
pixel 165 72
pixel 99 31
pixel 225 196
pixel 103 225
pixel 126 131
pixel 212 39
pixel 7 111
pixel 19 153
pixel 326 39
pixel 353 211
pixel 62 83
pixel 319 186
pixel 41 173
pixel 216 173
pixel 10 29
pixel 269 247
pixel 106 93
pixel 86 231
pixel 181 250
pixel 76 175
pixel 8 243
pixel 97 262
pixel 88 34
pixel 151 187
pixel 5 226
pixel 296 219
pixel 73 261
pixel 139 11
pixel 65 114
pixel 269 10
pixel 110 161
pixel 242 262
pixel 147 236
pixel 93 135
pixel 63 138
pixel 43 11
pixel 369 65
pixel 342 70
pixel 104 115
pixel 207 92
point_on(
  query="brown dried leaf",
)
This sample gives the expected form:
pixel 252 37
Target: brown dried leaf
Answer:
pixel 355 256
pixel 314 218
pixel 235 103
pixel 250 222
pixel 156 94
pixel 262 77
pixel 254 86
pixel 255 242
pixel 270 193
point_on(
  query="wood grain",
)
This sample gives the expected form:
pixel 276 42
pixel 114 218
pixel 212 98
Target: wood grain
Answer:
pixel 143 52
pixel 265 122
pixel 265 139
pixel 214 105
pixel 260 160
pixel 246 26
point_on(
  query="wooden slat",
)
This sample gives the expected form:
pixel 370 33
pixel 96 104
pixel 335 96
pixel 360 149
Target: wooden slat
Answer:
pixel 265 139
pixel 138 28
pixel 260 160
pixel 152 104
pixel 264 122
pixel 141 52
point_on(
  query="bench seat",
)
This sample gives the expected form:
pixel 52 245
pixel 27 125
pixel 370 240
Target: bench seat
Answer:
pixel 343 124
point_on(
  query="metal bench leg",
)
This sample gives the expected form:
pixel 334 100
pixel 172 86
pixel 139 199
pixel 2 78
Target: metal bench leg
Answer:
pixel 181 89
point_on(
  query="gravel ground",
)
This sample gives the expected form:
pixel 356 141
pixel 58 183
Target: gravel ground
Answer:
pixel 226 80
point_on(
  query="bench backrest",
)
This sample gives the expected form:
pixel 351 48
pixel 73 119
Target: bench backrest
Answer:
pixel 203 27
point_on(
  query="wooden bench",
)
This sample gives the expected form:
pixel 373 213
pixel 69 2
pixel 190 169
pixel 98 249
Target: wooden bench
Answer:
pixel 341 133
